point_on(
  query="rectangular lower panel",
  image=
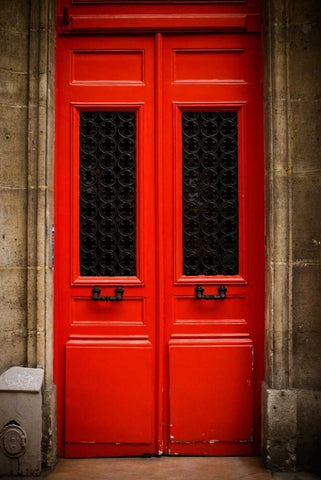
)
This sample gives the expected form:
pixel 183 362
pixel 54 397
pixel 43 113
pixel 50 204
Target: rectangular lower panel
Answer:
pixel 109 392
pixel 211 391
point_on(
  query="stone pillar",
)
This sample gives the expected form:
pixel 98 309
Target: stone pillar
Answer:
pixel 291 394
pixel 40 209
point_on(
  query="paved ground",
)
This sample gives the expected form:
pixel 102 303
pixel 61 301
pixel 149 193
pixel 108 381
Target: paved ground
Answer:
pixel 161 468
pixel 168 468
pixel 295 476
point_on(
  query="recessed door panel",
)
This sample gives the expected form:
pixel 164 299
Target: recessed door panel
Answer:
pixel 211 384
pixel 109 392
pixel 159 244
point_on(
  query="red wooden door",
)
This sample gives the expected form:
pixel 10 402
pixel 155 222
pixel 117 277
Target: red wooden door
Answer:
pixel 159 190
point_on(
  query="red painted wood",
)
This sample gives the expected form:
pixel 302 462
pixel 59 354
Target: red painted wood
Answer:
pixel 211 385
pixel 242 312
pixel 155 16
pixel 116 387
pixel 105 382
pixel 160 364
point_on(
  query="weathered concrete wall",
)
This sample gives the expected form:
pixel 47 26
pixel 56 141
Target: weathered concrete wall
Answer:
pixel 291 398
pixel 14 45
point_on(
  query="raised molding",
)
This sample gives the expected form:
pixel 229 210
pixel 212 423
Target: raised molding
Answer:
pixel 39 208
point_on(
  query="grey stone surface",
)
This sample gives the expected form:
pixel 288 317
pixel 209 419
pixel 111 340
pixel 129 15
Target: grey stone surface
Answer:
pixel 21 379
pixel 13 145
pixel 279 429
pixel 21 408
pixel 13 248
pixel 309 430
pixel 306 142
pixel 306 228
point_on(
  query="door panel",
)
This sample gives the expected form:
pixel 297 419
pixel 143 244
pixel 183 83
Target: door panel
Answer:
pixel 211 107
pixel 212 386
pixel 110 388
pixel 159 190
pixel 105 226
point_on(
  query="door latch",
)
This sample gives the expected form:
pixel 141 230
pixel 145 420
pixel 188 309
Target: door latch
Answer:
pixel 221 293
pixel 117 298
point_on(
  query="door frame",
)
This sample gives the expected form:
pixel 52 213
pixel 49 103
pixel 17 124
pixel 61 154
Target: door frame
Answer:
pixel 70 24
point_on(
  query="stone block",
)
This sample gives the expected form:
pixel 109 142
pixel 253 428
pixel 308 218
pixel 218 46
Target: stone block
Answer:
pixel 13 88
pixel 13 227
pixel 21 421
pixel 306 298
pixel 306 216
pixel 13 349
pixel 309 428
pixel 14 15
pixel 305 135
pixel 279 418
pixel 14 50
pixel 12 301
pixel 307 360
pixel 13 147
pixel 304 69
pixel 304 11
pixel 13 317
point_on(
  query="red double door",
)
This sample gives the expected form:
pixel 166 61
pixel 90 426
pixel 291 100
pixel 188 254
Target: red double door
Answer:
pixel 159 204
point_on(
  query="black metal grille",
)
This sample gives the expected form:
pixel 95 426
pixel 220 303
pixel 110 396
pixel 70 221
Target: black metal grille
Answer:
pixel 107 194
pixel 210 193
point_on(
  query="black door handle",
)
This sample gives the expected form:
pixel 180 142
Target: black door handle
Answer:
pixel 117 298
pixel 221 293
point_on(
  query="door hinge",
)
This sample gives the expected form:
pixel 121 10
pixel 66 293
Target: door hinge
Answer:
pixel 51 245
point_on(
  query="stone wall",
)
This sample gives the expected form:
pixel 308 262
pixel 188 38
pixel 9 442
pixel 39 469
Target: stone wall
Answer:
pixel 292 394
pixel 305 140
pixel 26 153
pixel 14 41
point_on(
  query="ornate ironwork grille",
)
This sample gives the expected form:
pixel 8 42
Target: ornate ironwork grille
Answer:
pixel 210 193
pixel 107 193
